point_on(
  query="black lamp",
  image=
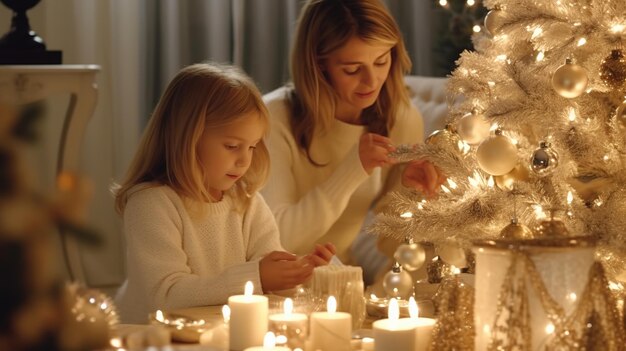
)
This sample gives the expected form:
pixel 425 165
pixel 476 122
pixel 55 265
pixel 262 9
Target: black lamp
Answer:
pixel 21 45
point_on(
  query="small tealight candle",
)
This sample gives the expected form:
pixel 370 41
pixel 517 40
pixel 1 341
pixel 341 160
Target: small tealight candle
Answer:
pixel 331 330
pixel 393 333
pixel 248 319
pixel 218 336
pixel 269 344
pixel 293 326
pixel 423 326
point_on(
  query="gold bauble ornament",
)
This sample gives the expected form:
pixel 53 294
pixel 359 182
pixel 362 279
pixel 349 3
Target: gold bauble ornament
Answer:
pixel 507 181
pixel 473 127
pixel 570 80
pixel 515 230
pixel 497 155
pixel 613 69
pixel 494 20
pixel 551 228
pixel 447 135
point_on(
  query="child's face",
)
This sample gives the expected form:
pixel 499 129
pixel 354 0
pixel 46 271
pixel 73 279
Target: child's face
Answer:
pixel 226 152
pixel 357 72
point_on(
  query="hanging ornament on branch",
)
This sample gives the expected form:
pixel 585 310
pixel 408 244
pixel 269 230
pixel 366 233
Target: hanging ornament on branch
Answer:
pixel 613 69
pixel 473 127
pixel 570 80
pixel 398 283
pixel 494 20
pixel 444 136
pixel 410 255
pixel 544 160
pixel 497 155
pixel 515 230
pixel 507 181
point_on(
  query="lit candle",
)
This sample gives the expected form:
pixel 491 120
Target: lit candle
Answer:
pixel 269 344
pixel 423 326
pixel 293 326
pixel 248 319
pixel 331 330
pixel 393 333
pixel 218 336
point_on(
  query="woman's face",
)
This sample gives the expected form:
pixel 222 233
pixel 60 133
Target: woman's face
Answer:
pixel 357 72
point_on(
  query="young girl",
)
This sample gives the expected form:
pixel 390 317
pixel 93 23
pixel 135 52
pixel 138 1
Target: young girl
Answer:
pixel 196 229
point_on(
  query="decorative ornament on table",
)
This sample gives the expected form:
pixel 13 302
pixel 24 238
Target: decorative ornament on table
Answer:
pixel 544 159
pixel 497 155
pixel 454 304
pixel 398 283
pixel 437 270
pixel 570 80
pixel 410 255
pixel 613 69
pixel 494 20
pixel 473 127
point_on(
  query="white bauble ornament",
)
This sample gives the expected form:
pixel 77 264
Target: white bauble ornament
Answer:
pixel 410 255
pixel 398 283
pixel 497 155
pixel 473 127
pixel 452 254
pixel 544 160
pixel 570 80
pixel 494 21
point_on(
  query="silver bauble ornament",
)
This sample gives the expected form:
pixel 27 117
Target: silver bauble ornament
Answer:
pixel 544 160
pixel 494 21
pixel 515 231
pixel 613 69
pixel 398 283
pixel 620 115
pixel 570 80
pixel 410 256
pixel 497 155
pixel 473 127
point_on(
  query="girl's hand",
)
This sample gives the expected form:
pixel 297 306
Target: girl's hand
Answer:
pixel 322 254
pixel 373 151
pixel 281 270
pixel 423 176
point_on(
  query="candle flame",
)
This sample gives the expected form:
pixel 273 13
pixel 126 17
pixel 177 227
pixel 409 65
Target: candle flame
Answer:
pixel 331 304
pixel 116 342
pixel 159 316
pixel 288 306
pixel 413 309
pixel 393 312
pixel 226 313
pixel 269 341
pixel 249 289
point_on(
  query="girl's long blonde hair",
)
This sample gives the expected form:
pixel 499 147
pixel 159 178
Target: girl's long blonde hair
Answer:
pixel 200 96
pixel 324 26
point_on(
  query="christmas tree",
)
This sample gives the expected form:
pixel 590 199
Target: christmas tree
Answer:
pixel 537 129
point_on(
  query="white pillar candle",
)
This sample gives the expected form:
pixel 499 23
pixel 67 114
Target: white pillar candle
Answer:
pixel 293 326
pixel 331 330
pixel 423 326
pixel 269 344
pixel 393 334
pixel 248 319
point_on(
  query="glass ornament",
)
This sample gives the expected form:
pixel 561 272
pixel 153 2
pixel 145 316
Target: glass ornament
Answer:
pixel 497 155
pixel 613 69
pixel 410 256
pixel 515 230
pixel 473 127
pixel 570 80
pixel 494 20
pixel 544 160
pixel 398 283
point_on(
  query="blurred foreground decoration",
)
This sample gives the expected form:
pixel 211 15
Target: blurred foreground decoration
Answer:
pixel 37 310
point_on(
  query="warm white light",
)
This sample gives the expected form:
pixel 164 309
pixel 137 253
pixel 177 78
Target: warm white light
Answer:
pixel 445 189
pixel 269 341
pixel 420 206
pixel 572 296
pixel 582 41
pixel 443 2
pixel 248 289
pixel 407 215
pixel 393 312
pixel 103 306
pixel 471 2
pixel 491 84
pixel 281 339
pixel 452 183
pixel 605 157
pixel 116 342
pixel 414 311
pixel 331 304
pixel 570 197
pixel 539 211
pixel 617 28
pixel 549 328
pixel 501 58
pixel 159 316
pixel 490 182
pixel 288 306
pixel 487 329
pixel 476 28
pixel 455 270
pixel 226 313
pixel 473 182
pixel 537 32
pixel 540 56
pixel 373 297
pixel 571 114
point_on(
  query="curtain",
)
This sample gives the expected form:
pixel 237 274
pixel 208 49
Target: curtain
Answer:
pixel 141 44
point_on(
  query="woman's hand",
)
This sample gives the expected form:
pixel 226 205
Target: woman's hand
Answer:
pixel 281 270
pixel 374 150
pixel 322 254
pixel 423 176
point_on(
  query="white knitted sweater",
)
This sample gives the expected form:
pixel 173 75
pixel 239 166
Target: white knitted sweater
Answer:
pixel 179 258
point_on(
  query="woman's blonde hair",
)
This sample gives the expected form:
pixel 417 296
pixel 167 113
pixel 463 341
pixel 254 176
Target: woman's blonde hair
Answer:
pixel 201 96
pixel 324 26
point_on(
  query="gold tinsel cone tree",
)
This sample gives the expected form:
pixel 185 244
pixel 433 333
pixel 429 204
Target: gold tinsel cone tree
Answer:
pixel 537 125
